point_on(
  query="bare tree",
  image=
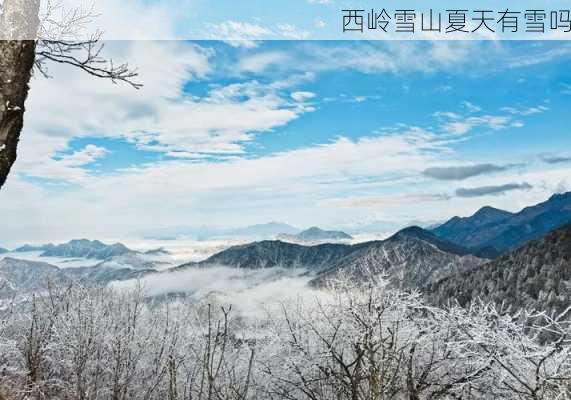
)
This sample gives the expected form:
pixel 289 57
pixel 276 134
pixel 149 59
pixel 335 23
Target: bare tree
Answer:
pixel 371 343
pixel 28 40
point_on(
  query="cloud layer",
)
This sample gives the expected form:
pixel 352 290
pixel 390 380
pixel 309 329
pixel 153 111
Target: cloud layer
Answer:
pixel 231 135
pixel 492 190
pixel 464 172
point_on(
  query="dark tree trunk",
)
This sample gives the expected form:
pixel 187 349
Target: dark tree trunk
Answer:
pixel 18 27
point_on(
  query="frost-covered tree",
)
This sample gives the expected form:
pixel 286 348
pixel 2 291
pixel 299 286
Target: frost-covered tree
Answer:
pixel 351 343
pixel 31 39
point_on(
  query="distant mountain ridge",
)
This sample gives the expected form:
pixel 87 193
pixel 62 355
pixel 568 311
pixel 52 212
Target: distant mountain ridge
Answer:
pixel 492 232
pixel 315 234
pixel 18 276
pixel 84 248
pixel 411 258
pixel 28 247
pixel 78 248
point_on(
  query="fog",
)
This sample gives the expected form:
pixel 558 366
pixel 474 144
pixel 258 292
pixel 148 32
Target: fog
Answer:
pixel 250 292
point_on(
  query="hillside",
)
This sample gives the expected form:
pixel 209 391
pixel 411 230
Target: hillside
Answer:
pixel 411 258
pixel 537 275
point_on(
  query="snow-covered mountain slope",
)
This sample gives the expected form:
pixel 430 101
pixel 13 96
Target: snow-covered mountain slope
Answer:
pixel 92 249
pixel 411 258
pixel 22 275
pixel 537 275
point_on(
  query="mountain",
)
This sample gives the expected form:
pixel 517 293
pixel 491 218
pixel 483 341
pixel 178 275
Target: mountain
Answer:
pixel 457 228
pixel 86 249
pixel 535 276
pixel 315 234
pixel 130 260
pixel 275 253
pixel 427 236
pixel 3 250
pixel 493 232
pixel 104 273
pixel 411 258
pixel 28 247
pixel 19 275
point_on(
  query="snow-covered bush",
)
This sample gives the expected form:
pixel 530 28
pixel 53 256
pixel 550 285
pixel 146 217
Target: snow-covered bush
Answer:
pixel 351 343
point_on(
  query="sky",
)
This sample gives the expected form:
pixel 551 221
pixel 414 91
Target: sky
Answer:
pixel 332 133
pixel 286 20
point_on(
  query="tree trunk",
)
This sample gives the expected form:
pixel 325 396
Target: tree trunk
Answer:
pixel 18 29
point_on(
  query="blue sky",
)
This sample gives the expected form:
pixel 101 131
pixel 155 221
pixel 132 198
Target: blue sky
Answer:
pixel 271 20
pixel 351 135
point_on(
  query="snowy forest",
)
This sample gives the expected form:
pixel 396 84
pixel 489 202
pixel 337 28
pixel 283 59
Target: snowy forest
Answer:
pixel 351 342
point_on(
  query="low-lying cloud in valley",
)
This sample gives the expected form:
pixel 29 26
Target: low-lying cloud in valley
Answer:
pixel 249 291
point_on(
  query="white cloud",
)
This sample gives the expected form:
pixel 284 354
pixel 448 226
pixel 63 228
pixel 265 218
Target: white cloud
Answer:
pixel 231 193
pixel 238 34
pixel 388 201
pixel 472 107
pixel 239 188
pixel 464 126
pixel 540 57
pixel 160 117
pixel 387 56
pixel 457 124
pixel 290 31
pixel 302 96
pixel 526 110
pixel 259 62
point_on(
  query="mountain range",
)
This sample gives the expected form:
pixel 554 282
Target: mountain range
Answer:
pixel 82 248
pixel 315 234
pixel 536 276
pixel 411 258
pixel 17 276
pixel 512 259
pixel 91 249
pixel 491 232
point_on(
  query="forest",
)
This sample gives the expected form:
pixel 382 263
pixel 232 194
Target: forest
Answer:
pixel 351 342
